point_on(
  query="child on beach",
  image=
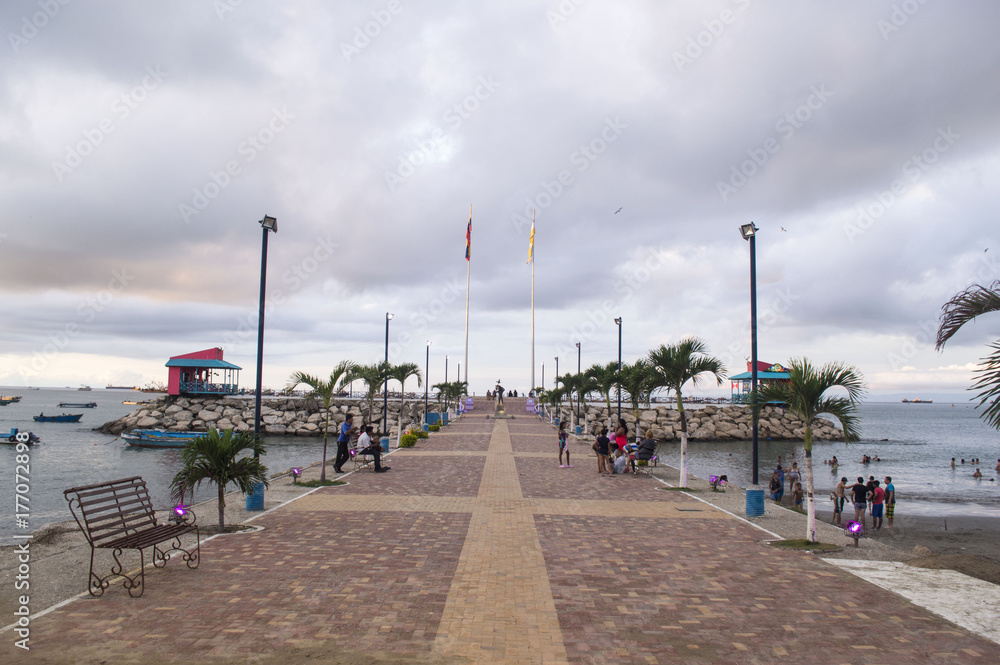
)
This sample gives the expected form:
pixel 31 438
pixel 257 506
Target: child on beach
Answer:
pixel 602 447
pixel 563 447
pixel 797 496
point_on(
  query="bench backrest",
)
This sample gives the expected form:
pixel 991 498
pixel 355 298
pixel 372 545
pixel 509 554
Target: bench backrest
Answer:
pixel 107 511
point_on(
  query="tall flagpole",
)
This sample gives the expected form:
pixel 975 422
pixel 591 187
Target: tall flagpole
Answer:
pixel 531 258
pixel 468 277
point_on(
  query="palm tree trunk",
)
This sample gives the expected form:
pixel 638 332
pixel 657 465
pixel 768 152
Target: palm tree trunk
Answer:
pixel 222 507
pixel 810 499
pixel 684 440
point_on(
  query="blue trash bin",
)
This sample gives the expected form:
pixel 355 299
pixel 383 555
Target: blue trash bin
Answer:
pixel 255 499
pixel 578 430
pixel 385 444
pixel 433 417
pixel 444 418
pixel 755 502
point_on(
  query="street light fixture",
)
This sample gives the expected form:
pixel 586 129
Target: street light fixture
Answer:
pixel 618 322
pixel 578 390
pixel 385 388
pixel 255 500
pixel 749 232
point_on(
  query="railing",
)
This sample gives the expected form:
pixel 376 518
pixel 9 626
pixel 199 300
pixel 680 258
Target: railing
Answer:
pixel 196 387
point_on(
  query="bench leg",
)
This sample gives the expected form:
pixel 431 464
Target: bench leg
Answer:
pixel 134 585
pixel 160 557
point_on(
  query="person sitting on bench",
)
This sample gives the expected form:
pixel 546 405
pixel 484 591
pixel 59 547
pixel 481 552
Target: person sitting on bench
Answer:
pixel 645 450
pixel 368 446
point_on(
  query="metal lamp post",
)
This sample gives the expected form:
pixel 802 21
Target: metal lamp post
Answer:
pixel 618 322
pixel 255 500
pixel 427 379
pixel 385 388
pixel 578 390
pixel 749 232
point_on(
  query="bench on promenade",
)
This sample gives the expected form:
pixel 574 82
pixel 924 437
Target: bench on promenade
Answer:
pixel 362 460
pixel 118 515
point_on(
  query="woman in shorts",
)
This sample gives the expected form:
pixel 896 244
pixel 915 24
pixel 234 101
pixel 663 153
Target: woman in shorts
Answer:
pixel 563 446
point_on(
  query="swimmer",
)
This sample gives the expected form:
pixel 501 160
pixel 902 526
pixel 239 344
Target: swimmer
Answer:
pixel 977 474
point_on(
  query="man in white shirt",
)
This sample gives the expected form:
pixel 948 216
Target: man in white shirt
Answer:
pixel 367 446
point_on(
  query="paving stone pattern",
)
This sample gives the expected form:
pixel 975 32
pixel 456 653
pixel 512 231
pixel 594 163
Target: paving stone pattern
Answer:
pixel 476 545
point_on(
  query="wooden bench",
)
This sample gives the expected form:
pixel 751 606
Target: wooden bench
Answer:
pixel 118 515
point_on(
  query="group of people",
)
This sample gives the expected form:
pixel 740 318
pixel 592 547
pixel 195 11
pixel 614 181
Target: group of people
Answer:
pixel 367 444
pixel 869 498
pixel 977 474
pixel 777 485
pixel 613 457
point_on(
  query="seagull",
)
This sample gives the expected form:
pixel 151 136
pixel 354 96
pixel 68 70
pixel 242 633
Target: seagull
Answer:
pixel 783 229
pixel 618 211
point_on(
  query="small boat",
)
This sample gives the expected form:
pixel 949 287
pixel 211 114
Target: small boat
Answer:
pixel 17 436
pixel 154 438
pixel 9 400
pixel 84 388
pixel 64 418
pixel 77 405
pixel 142 403
pixel 111 387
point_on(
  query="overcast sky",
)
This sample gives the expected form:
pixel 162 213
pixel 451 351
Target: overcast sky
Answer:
pixel 142 142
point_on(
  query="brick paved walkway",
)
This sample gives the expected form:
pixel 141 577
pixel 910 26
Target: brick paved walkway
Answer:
pixel 476 547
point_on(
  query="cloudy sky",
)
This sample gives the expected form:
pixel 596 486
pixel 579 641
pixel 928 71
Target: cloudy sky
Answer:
pixel 142 142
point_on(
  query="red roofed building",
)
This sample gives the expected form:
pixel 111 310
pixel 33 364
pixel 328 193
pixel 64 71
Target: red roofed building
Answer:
pixel 202 373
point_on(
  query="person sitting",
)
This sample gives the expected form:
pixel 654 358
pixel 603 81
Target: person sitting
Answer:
pixel 645 451
pixel 368 446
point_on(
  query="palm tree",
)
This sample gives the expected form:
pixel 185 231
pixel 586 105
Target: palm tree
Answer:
pixel 216 457
pixel 639 380
pixel 324 390
pixel 580 384
pixel 605 378
pixel 677 364
pixel 374 377
pixel 401 373
pixel 803 396
pixel 449 391
pixel 955 313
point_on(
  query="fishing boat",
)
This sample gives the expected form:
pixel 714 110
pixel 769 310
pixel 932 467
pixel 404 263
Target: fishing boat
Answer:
pixel 10 400
pixel 64 418
pixel 17 436
pixel 142 403
pixel 155 438
pixel 77 405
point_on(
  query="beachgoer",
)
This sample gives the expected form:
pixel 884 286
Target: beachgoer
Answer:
pixel 953 463
pixel 878 499
pixel 563 446
pixel 797 496
pixel 793 475
pixel 870 485
pixel 347 429
pixel 838 501
pixel 603 445
pixel 977 474
pixel 834 461
pixel 647 448
pixel 890 500
pixel 621 438
pixel 859 497
pixel 781 482
pixel 774 487
pixel 998 465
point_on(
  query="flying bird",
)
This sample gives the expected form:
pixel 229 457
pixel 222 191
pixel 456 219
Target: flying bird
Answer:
pixel 783 229
pixel 618 211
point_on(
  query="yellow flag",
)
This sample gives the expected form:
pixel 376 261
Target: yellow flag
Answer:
pixel 531 243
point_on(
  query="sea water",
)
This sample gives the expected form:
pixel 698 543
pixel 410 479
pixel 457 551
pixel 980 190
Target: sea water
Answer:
pixel 914 443
pixel 72 454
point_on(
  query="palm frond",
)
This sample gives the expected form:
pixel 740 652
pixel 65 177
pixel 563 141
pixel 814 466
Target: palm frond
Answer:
pixel 966 306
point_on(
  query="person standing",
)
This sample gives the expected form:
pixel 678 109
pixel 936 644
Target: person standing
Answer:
pixel 859 496
pixel 347 430
pixel 775 487
pixel 890 500
pixel 781 482
pixel 603 446
pixel 797 496
pixel 878 499
pixel 838 501
pixel 563 446
pixel 793 475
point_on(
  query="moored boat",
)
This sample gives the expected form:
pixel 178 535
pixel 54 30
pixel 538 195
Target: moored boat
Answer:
pixel 154 438
pixel 10 400
pixel 77 405
pixel 143 402
pixel 63 418
pixel 17 436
